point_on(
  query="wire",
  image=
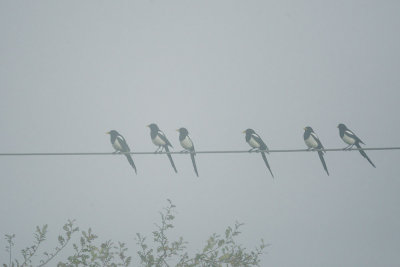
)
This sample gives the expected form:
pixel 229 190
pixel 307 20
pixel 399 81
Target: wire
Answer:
pixel 197 152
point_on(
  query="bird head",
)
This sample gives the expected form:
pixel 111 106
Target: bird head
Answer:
pixel 153 127
pixel 341 126
pixel 182 131
pixel 112 132
pixel 308 129
pixel 249 131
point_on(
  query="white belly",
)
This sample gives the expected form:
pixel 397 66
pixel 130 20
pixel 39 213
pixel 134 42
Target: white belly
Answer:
pixel 158 141
pixel 349 140
pixel 117 146
pixel 187 143
pixel 253 143
pixel 311 143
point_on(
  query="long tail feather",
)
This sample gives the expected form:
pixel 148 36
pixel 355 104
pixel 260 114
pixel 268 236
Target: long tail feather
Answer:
pixel 194 163
pixel 266 163
pixel 321 157
pixel 362 152
pixel 170 158
pixel 128 156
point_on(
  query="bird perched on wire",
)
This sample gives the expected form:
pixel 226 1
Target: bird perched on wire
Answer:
pixel 351 139
pixel 255 141
pixel 313 142
pixel 120 145
pixel 187 144
pixel 159 139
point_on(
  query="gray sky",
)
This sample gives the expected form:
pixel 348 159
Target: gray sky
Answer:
pixel 70 71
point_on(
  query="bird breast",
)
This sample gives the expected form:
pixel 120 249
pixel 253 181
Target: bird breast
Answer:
pixel 311 142
pixel 253 143
pixel 349 140
pixel 187 143
pixel 117 145
pixel 158 141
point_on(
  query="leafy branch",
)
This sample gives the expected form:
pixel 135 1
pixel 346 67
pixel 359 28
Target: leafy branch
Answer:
pixel 63 241
pixel 88 254
pixel 220 250
pixel 9 246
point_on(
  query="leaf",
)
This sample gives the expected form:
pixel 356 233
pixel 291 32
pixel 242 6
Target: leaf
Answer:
pixel 61 240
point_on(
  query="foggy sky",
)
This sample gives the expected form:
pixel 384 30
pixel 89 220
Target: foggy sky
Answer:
pixel 70 71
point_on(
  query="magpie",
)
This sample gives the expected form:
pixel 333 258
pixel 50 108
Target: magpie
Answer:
pixel 187 144
pixel 159 139
pixel 120 145
pixel 313 142
pixel 351 139
pixel 255 141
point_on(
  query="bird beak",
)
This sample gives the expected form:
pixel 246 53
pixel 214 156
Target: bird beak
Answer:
pixel 304 129
pixel 244 132
pixel 177 130
pixel 107 132
pixel 148 125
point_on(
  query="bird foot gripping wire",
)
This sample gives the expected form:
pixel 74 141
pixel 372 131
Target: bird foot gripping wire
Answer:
pixel 159 150
pixel 348 148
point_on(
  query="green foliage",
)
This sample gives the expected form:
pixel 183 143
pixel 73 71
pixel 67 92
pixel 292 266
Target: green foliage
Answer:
pixel 86 253
pixel 220 250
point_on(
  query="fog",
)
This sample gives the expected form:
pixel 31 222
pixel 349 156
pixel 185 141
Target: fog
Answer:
pixel 71 71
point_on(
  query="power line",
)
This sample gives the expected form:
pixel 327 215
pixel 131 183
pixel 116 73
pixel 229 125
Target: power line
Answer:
pixel 197 152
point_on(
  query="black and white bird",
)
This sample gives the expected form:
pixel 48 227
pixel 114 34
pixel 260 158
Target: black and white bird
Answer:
pixel 159 139
pixel 312 141
pixel 351 139
pixel 120 145
pixel 187 144
pixel 255 141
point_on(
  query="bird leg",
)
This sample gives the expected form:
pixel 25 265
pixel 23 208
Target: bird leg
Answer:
pixel 346 147
pixel 251 150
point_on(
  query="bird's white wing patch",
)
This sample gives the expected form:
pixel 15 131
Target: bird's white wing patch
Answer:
pixel 161 133
pixel 348 132
pixel 315 136
pixel 256 135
